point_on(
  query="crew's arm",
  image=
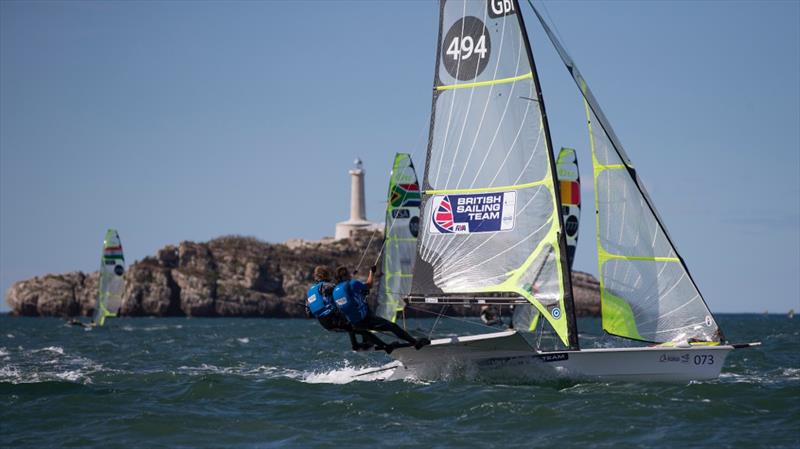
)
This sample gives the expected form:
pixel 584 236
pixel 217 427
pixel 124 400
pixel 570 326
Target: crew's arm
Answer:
pixel 371 276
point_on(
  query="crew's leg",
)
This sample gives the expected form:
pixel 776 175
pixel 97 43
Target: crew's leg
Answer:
pixel 383 325
pixel 368 336
pixel 353 341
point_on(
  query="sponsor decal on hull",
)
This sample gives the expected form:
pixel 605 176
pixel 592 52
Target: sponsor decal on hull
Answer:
pixel 524 359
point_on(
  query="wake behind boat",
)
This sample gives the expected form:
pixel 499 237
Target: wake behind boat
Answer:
pixel 492 231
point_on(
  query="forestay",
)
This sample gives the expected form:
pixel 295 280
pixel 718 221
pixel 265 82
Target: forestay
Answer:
pixel 400 237
pixel 491 221
pixel 112 269
pixel 647 292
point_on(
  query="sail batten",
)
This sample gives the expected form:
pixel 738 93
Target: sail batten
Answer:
pixel 490 220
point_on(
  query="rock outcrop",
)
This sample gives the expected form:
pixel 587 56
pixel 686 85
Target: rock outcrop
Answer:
pixel 228 276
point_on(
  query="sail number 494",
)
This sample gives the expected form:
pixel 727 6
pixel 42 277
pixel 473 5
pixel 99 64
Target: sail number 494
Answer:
pixel 464 47
pixel 703 359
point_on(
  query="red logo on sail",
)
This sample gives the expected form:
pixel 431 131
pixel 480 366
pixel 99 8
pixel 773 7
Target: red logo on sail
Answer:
pixel 443 217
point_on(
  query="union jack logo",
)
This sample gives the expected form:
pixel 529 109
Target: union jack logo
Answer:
pixel 443 217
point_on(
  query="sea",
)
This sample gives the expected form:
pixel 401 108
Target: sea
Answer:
pixel 275 383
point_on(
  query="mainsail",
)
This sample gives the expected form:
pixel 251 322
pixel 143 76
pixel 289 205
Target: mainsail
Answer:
pixel 400 237
pixel 112 268
pixel 570 186
pixel 646 290
pixel 491 221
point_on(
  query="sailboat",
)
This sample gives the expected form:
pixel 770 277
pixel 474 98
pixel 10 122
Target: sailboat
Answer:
pixel 112 269
pixel 400 238
pixel 492 232
pixel 569 185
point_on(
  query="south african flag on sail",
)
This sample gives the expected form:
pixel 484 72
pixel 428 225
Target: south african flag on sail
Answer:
pixel 405 195
pixel 113 252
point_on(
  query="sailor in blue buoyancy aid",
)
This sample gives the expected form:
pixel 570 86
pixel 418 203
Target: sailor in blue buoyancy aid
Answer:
pixel 319 304
pixel 349 295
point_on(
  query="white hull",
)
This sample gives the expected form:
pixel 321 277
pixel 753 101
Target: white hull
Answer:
pixel 508 355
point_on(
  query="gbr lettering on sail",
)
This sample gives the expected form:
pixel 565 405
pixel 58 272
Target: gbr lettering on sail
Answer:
pixel 500 8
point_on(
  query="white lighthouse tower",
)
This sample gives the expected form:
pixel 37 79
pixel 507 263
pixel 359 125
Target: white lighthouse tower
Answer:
pixel 358 210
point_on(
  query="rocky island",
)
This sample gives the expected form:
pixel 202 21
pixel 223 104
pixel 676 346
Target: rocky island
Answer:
pixel 225 277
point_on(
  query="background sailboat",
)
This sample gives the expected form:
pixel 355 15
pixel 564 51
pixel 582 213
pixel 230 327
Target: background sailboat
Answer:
pixel 112 269
pixel 400 238
pixel 569 183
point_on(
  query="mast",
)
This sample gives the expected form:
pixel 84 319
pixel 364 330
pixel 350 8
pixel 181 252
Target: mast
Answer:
pixel 562 242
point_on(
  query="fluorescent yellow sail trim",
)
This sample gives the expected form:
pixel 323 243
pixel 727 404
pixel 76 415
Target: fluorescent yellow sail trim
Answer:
pixel 544 182
pixel 512 79
pixel 534 322
pixel 671 344
pixel 604 255
pixel 617 316
pixel 104 313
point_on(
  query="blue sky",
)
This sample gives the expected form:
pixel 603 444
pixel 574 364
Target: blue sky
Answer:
pixel 188 120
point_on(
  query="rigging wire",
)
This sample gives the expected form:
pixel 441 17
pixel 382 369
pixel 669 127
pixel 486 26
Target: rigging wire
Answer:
pixel 416 146
pixel 481 324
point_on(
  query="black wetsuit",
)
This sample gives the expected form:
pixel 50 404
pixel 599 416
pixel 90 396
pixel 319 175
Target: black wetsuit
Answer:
pixel 335 322
pixel 376 323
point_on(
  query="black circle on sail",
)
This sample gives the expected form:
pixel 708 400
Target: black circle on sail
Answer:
pixel 466 48
pixel 571 225
pixel 413 226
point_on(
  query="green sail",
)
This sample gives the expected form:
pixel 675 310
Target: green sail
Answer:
pixel 400 237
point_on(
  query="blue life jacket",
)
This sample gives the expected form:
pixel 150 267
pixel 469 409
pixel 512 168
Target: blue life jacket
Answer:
pixel 318 304
pixel 349 299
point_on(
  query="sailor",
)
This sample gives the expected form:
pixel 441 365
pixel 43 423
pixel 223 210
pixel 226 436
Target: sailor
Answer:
pixel 76 322
pixel 491 316
pixel 320 305
pixel 349 295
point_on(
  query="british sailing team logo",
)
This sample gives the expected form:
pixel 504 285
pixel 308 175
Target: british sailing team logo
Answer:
pixel 472 213
pixel 443 217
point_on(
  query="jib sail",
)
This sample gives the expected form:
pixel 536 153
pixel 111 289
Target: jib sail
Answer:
pixel 646 290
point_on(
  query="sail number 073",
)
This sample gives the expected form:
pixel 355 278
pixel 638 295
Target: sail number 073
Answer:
pixel 702 359
pixel 464 47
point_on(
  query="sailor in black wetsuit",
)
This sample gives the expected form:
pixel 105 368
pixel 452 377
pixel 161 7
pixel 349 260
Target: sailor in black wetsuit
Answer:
pixel 320 305
pixel 76 322
pixel 349 295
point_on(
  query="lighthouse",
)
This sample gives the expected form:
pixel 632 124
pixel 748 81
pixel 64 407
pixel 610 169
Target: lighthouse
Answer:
pixel 358 210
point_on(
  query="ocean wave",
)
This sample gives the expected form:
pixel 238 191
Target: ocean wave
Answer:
pixel 56 349
pixel 244 340
pixel 128 328
pixel 203 369
pixel 349 374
